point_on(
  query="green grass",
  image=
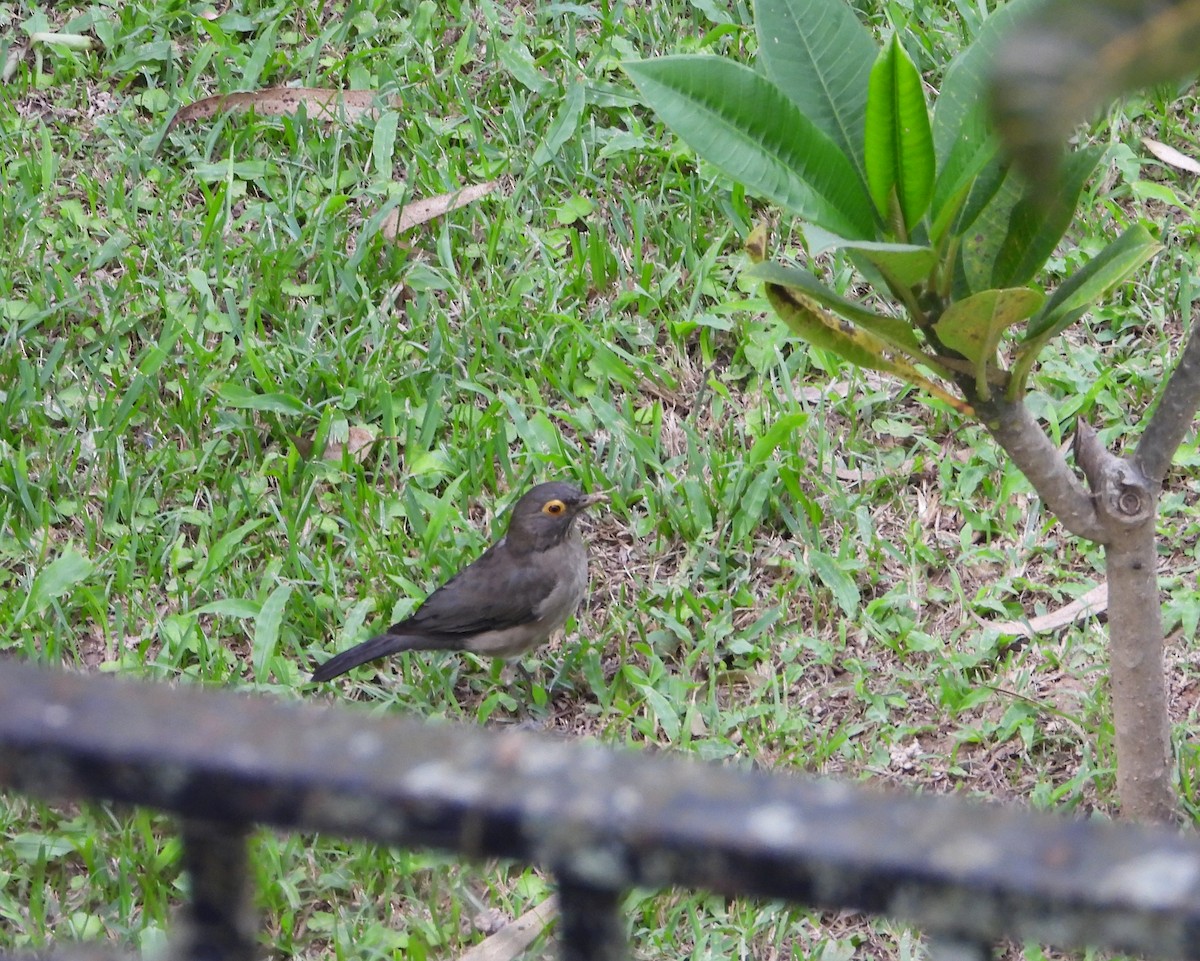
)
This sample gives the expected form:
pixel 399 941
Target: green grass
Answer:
pixel 798 558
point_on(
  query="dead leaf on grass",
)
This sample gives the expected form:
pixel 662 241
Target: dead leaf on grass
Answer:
pixel 740 678
pixel 1171 156
pixel 321 103
pixel 1090 604
pixel 814 393
pixel 512 939
pixel 422 211
pixel 358 445
pixel 215 14
pixel 862 475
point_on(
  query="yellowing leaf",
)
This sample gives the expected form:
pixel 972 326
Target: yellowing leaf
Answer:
pixel 817 326
pixel 822 329
pixel 973 326
pixel 756 244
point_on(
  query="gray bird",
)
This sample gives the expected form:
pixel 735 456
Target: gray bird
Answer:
pixel 519 592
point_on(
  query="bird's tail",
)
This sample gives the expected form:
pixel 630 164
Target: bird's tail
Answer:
pixel 379 646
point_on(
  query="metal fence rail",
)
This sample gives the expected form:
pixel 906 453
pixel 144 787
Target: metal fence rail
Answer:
pixel 601 820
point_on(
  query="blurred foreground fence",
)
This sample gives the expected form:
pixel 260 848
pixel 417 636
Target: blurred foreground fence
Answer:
pixel 601 820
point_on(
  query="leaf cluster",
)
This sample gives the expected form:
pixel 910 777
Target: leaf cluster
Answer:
pixel 838 131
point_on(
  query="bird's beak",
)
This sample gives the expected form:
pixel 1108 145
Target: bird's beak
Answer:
pixel 590 499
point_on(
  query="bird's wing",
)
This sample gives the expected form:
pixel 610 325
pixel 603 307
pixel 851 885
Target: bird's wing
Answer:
pixel 498 591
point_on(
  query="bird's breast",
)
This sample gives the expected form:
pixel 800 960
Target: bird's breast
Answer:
pixel 570 576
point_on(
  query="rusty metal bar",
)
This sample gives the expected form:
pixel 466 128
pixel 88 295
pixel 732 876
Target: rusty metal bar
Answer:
pixel 606 819
pixel 219 921
pixel 591 926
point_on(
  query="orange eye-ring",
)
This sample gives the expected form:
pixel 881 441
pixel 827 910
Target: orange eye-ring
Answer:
pixel 553 507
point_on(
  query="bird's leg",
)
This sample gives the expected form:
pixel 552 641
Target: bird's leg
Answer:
pixel 532 696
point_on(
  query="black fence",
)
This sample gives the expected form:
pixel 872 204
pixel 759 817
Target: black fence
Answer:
pixel 602 821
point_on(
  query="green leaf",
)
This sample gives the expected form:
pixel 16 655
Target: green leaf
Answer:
pixel 32 847
pixel 898 146
pixel 904 264
pixel 220 553
pixel 1109 268
pixel 1112 266
pixel 963 139
pixel 973 327
pixel 266 630
pixel 949 210
pixel 1035 227
pixel 841 584
pixel 988 211
pixel 820 56
pixel 140 55
pixel 966 161
pixel 383 146
pixel 907 264
pixel 564 127
pixel 893 329
pixel 515 57
pixel 961 112
pixel 56 579
pixel 776 434
pixel 239 608
pixel 740 122
pixel 986 185
pixel 665 711
pixel 235 395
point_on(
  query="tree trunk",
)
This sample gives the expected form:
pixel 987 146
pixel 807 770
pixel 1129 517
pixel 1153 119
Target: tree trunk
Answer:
pixel 1139 696
pixel 1118 511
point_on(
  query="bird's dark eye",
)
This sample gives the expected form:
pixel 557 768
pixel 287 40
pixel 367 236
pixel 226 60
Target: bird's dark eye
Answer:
pixel 553 507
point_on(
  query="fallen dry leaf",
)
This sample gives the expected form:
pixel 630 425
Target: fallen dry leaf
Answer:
pixel 1090 604
pixel 860 475
pixel 422 211
pixel 215 14
pixel 358 445
pixel 321 103
pixel 1171 156
pixel 814 393
pixel 512 939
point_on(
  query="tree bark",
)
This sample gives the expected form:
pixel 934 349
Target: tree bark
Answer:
pixel 1118 513
pixel 1127 504
pixel 1139 695
pixel 1019 434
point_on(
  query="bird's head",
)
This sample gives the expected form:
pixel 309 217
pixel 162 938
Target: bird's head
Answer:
pixel 546 513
